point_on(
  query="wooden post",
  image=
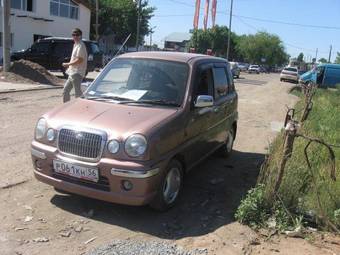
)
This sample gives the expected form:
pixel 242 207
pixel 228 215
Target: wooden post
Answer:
pixel 290 134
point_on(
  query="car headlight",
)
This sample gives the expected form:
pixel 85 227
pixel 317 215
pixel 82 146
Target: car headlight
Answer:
pixel 40 129
pixel 135 145
pixel 113 146
pixel 50 135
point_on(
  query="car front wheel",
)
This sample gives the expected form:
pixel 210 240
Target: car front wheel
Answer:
pixel 170 187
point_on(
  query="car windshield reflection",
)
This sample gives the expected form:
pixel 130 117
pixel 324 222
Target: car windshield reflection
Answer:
pixel 140 81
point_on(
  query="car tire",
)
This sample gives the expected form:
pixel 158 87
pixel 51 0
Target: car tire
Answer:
pixel 227 148
pixel 281 79
pixel 238 76
pixel 169 188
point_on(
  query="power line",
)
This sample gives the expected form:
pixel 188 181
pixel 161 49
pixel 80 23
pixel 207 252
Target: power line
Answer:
pixel 289 23
pixel 289 44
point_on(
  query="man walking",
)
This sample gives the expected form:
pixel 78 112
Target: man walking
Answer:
pixel 76 68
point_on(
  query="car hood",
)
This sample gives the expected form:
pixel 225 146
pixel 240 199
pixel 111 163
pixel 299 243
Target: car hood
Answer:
pixel 306 76
pixel 118 120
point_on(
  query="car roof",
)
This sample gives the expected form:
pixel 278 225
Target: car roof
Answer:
pixel 61 39
pixel 172 56
pixel 330 65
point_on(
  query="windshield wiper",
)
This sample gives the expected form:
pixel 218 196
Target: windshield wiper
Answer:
pixel 102 97
pixel 154 102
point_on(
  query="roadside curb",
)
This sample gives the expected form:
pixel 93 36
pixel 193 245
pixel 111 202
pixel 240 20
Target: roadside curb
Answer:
pixel 28 90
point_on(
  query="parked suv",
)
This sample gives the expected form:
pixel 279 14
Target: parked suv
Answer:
pixel 53 51
pixel 147 120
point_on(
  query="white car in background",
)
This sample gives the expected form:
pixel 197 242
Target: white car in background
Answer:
pixel 290 73
pixel 254 69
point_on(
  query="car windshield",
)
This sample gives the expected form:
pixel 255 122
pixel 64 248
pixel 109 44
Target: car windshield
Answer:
pixel 141 81
pixel 290 69
pixel 254 66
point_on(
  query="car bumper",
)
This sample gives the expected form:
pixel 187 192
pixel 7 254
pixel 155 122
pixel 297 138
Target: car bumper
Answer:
pixel 145 177
pixel 289 77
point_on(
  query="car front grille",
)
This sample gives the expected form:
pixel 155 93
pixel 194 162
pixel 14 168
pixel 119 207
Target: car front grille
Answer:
pixel 80 143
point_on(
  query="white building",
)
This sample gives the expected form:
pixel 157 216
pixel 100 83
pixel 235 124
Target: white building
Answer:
pixel 34 19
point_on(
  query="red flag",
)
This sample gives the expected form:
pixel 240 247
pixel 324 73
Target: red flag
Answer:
pixel 197 13
pixel 206 14
pixel 213 11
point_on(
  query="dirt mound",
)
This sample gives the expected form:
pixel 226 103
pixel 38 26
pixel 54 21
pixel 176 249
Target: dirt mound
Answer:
pixel 24 71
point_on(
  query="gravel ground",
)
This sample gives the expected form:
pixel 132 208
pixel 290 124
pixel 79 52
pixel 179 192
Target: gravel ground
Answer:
pixel 131 247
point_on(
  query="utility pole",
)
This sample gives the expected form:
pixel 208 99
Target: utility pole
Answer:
pixel 138 23
pixel 151 32
pixel 330 54
pixel 97 19
pixel 6 35
pixel 229 35
pixel 316 55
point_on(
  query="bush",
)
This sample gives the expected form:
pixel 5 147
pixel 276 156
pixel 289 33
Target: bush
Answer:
pixel 253 210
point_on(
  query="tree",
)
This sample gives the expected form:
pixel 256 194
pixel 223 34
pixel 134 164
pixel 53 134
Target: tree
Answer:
pixel 120 18
pixel 262 48
pixel 323 60
pixel 216 39
pixel 337 60
pixel 300 57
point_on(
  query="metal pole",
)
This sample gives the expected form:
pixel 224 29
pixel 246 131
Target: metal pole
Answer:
pixel 316 55
pixel 330 54
pixel 229 34
pixel 138 23
pixel 150 40
pixel 6 34
pixel 97 19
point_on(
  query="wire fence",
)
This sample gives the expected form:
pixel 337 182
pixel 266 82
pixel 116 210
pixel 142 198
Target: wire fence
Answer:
pixel 292 131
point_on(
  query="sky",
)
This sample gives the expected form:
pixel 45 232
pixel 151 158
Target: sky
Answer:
pixel 309 24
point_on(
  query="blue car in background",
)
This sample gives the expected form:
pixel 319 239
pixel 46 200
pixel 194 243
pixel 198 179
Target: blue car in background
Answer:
pixel 325 75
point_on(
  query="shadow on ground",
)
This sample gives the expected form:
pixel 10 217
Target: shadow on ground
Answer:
pixel 211 195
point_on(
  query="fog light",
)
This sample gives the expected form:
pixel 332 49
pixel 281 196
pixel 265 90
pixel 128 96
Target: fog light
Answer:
pixel 127 185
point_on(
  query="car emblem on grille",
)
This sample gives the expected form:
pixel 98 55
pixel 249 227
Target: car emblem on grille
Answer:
pixel 79 136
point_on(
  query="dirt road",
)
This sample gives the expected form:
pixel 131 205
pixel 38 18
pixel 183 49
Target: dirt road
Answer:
pixel 34 219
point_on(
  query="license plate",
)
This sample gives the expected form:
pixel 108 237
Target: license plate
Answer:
pixel 86 173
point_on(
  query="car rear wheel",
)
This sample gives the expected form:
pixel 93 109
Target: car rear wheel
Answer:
pixel 170 187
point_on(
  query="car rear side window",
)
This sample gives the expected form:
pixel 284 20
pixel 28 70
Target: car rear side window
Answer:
pixel 63 49
pixel 290 69
pixel 220 82
pixel 41 47
pixel 205 84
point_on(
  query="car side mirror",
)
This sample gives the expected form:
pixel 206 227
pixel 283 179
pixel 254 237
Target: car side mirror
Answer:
pixel 204 101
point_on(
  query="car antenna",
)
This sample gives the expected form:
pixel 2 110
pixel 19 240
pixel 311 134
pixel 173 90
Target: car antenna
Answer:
pixel 121 47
